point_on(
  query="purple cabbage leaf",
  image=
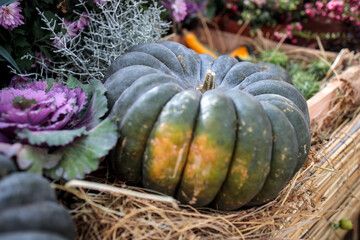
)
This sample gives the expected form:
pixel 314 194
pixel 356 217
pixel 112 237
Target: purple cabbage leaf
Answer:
pixel 57 126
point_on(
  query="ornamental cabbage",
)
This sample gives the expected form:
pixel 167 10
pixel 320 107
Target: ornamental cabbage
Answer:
pixel 56 129
pixel 39 106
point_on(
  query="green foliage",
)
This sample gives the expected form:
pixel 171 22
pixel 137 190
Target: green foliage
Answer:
pixel 305 78
pixel 31 36
pixel 4 53
pixel 275 57
pixel 268 13
pixel 319 69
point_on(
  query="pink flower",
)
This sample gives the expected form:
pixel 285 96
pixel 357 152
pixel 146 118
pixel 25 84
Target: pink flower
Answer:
pixel 10 16
pixel 102 2
pixel 319 5
pixel 259 2
pixel 298 26
pixel 310 13
pixel 178 8
pixel 40 58
pixel 59 44
pixel 71 27
pixel 83 21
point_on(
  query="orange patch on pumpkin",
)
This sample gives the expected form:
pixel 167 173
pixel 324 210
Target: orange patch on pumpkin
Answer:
pixel 168 151
pixel 203 156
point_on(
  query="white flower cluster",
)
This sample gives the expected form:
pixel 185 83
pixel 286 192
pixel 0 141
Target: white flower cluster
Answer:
pixel 112 29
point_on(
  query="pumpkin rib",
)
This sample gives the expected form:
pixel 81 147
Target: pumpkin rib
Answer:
pixel 168 144
pixel 188 60
pixel 136 89
pixel 250 163
pixel 298 121
pixel 163 54
pixel 31 235
pixel 18 189
pixel 258 76
pixel 276 69
pixel 221 66
pixel 7 166
pixel 38 216
pixel 137 58
pixel 237 73
pixel 210 150
pixel 135 128
pixel 281 88
pixel 206 63
pixel 118 82
pixel 283 158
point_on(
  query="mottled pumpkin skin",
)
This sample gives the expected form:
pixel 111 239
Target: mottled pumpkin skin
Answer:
pixel 232 146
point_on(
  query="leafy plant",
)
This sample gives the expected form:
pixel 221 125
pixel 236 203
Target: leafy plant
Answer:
pixel 57 128
pixel 275 57
pixel 318 69
pixel 78 38
pixel 262 13
pixel 305 81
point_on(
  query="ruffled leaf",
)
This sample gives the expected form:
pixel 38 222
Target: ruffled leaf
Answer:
pixel 97 106
pixel 51 138
pixel 83 155
pixel 35 159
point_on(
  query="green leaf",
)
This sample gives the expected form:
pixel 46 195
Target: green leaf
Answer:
pixel 27 12
pixel 51 138
pixel 83 155
pixel 36 29
pixel 8 58
pixel 96 107
pixel 100 103
pixel 19 31
pixel 6 2
pixel 21 42
pixel 45 51
pixel 49 15
pixel 35 159
pixel 74 83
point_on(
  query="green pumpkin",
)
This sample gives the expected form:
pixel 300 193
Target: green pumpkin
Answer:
pixel 232 140
pixel 29 208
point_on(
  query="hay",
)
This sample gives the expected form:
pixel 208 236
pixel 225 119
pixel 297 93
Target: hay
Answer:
pixel 113 214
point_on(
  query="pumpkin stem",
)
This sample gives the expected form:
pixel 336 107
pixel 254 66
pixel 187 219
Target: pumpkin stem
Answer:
pixel 209 82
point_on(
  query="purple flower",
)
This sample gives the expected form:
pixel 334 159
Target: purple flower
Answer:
pixel 71 28
pixel 39 106
pixel 40 58
pixel 83 21
pixel 194 7
pixel 59 44
pixel 178 9
pixel 18 81
pixel 102 2
pixel 10 16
